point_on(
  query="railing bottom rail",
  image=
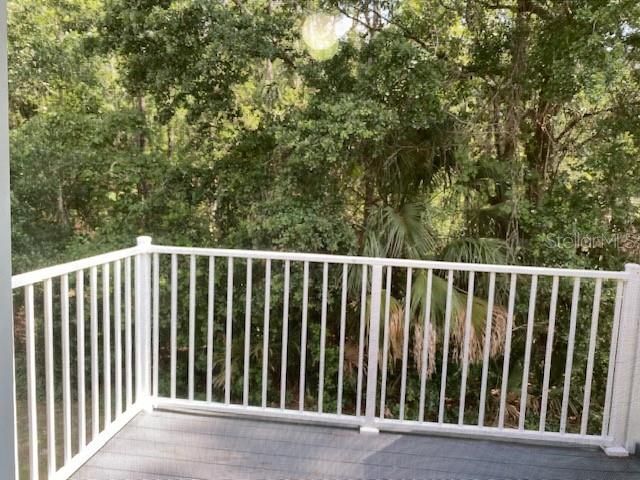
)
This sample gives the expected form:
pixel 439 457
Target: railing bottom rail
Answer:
pixel 383 425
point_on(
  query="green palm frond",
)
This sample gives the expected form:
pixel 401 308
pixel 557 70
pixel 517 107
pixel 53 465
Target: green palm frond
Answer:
pixel 488 251
pixel 399 232
pixel 476 250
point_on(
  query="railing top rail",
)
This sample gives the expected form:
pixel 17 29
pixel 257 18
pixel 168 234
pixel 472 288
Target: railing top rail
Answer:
pixel 36 276
pixel 393 262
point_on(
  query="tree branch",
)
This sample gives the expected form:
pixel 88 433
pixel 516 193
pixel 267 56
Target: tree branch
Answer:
pixel 530 6
pixel 405 31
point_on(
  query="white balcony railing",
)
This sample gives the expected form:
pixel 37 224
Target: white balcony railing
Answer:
pixel 332 338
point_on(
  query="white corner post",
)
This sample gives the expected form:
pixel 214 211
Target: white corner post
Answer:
pixel 624 426
pixel 8 442
pixel 369 425
pixel 143 322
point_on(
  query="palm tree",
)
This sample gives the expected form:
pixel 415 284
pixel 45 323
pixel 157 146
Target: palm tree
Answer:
pixel 404 233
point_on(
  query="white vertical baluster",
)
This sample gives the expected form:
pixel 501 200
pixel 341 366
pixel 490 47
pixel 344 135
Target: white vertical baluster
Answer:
pixel 363 311
pixel 385 344
pixel 117 329
pixel 527 352
pixel 426 340
pixel 303 336
pixel 82 412
pixel 323 334
pixel 49 373
pixel 247 334
pixel 507 350
pixel 106 339
pixel 66 377
pixel 569 363
pixel 465 348
pixel 343 323
pixel 405 342
pixel 486 348
pixel 174 322
pixel 595 315
pixel 265 331
pixel 612 356
pixel 143 285
pixel 369 425
pixel 285 335
pixel 156 322
pixel 95 386
pixel 229 332
pixel 128 344
pixel 192 324
pixel 445 346
pixel 32 404
pixel 549 349
pixel 210 311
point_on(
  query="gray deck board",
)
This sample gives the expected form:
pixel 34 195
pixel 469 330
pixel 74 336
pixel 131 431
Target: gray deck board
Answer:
pixel 178 446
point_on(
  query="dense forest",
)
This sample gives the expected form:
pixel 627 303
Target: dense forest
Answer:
pixel 471 131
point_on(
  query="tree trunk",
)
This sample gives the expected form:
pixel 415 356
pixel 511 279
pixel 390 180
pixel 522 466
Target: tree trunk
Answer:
pixel 539 150
pixel 141 141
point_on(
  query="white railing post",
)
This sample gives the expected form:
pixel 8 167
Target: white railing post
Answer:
pixel 143 321
pixel 374 345
pixel 624 426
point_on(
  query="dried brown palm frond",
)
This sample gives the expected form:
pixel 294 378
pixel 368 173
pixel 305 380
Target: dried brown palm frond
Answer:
pixel 533 399
pixel 396 331
pixel 350 358
pixel 476 340
pixel 533 403
pixel 418 346
pixel 477 332
pixel 511 408
pixel 218 369
pixel 498 331
pixel 437 310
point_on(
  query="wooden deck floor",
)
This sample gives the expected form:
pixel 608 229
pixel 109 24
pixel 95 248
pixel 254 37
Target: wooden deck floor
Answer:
pixel 168 445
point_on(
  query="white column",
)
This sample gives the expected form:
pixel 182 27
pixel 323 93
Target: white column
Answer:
pixel 143 321
pixel 633 425
pixel 372 353
pixel 625 408
pixel 8 462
